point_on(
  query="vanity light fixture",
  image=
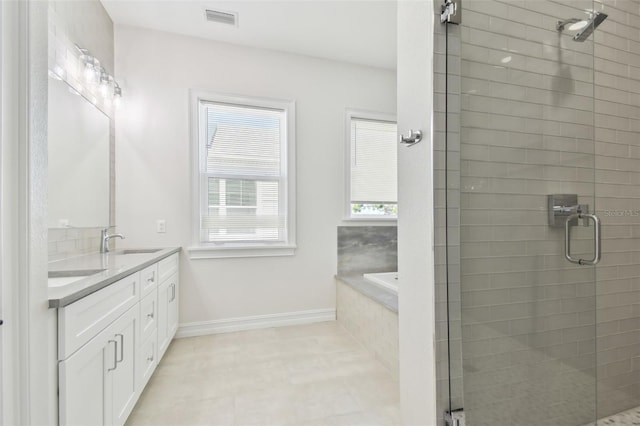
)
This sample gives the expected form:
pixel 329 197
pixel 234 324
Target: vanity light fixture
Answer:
pixel 95 74
pixel 91 65
pixel 89 71
pixel 105 81
pixel 117 94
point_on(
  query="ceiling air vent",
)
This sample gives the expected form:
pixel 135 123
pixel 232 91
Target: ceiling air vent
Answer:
pixel 229 18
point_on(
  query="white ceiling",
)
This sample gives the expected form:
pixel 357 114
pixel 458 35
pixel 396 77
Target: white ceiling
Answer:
pixel 356 31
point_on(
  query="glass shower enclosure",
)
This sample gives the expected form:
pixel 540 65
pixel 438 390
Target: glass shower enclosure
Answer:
pixel 537 158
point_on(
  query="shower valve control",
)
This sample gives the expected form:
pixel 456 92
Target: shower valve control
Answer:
pixel 561 206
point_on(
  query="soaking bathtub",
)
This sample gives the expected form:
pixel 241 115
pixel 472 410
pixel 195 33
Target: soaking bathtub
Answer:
pixel 388 280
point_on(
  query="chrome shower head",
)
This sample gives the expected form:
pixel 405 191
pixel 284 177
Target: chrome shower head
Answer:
pixel 592 24
pixel 562 24
pixel 586 27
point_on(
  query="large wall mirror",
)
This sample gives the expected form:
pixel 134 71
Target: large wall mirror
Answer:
pixel 79 163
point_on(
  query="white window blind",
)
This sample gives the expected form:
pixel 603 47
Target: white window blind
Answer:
pixel 243 173
pixel 374 171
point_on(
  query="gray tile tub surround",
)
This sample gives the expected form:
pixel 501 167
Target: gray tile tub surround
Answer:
pixel 383 296
pixel 364 249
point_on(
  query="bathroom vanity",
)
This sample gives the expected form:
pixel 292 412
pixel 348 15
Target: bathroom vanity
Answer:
pixel 116 315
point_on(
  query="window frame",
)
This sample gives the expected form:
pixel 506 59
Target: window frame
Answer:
pixel 206 250
pixel 364 115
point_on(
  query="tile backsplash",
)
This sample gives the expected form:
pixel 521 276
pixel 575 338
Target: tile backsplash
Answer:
pixel 70 242
pixel 364 249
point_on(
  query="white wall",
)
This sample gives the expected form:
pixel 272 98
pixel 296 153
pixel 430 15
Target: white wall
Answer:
pixel 37 348
pixel 88 24
pixel 152 163
pixel 14 341
pixel 415 221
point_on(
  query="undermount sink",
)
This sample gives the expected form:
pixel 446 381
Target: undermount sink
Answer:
pixel 62 278
pixel 137 251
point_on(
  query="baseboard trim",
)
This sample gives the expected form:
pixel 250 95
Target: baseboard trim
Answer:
pixel 228 325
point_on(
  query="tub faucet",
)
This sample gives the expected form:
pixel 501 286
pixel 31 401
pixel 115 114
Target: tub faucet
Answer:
pixel 105 237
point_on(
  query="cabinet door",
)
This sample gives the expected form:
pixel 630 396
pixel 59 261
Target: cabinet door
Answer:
pixel 168 266
pixel 80 321
pixel 148 316
pixel 124 392
pixel 147 361
pixel 97 382
pixel 84 380
pixel 173 306
pixel 164 296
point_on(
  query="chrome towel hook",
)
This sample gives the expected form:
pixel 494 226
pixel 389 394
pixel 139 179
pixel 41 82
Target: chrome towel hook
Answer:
pixel 414 137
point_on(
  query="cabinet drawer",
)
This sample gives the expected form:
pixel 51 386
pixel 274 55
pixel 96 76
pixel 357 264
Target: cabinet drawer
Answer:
pixel 147 360
pixel 84 319
pixel 167 266
pixel 148 316
pixel 149 280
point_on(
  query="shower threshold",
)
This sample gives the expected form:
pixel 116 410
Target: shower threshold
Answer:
pixel 454 417
pixel 625 418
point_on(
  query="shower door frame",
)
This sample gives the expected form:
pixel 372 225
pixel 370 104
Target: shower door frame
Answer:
pixel 453 255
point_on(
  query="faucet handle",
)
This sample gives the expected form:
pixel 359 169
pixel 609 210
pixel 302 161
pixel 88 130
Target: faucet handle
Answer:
pixel 103 234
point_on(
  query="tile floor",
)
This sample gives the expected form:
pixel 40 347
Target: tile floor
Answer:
pixel 314 374
pixel 626 418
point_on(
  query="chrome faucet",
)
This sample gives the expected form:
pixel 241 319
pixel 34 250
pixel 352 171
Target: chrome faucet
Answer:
pixel 105 237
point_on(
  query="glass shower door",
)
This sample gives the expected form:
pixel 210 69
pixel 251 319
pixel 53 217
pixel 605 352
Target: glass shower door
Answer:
pixel 519 142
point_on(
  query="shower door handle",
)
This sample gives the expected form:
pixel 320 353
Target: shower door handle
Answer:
pixel 596 239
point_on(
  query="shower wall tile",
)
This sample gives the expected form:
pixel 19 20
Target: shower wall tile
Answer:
pixel 531 107
pixel 510 352
pixel 617 88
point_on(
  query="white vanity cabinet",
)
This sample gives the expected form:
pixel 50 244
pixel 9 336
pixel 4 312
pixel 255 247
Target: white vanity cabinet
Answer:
pixel 97 385
pixel 168 290
pixel 110 342
pixel 148 354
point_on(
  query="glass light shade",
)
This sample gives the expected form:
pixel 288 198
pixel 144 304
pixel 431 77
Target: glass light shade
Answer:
pixel 104 87
pixel 89 72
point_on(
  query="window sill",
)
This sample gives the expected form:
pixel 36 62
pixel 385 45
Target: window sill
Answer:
pixel 204 252
pixel 386 221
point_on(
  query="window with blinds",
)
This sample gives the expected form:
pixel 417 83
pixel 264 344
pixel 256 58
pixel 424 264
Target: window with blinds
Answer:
pixel 243 173
pixel 373 167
